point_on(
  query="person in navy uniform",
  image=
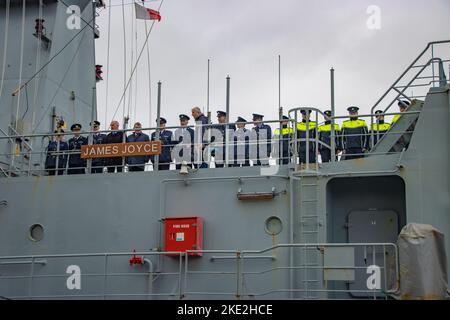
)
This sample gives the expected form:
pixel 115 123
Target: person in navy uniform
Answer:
pixel 281 144
pixel 77 165
pixel 241 138
pixel 354 136
pixel 97 138
pixel 201 122
pixel 325 137
pixel 261 145
pixel 55 147
pixel 165 136
pixel 379 128
pixel 115 136
pixel 184 137
pixel 221 126
pixel 302 130
pixel 137 163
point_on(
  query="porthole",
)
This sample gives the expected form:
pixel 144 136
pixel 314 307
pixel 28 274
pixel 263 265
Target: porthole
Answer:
pixel 36 232
pixel 273 226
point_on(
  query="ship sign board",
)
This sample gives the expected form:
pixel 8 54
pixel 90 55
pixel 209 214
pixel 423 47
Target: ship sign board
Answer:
pixel 121 149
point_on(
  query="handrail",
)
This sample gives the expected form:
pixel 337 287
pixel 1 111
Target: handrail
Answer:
pixel 183 271
pixel 411 66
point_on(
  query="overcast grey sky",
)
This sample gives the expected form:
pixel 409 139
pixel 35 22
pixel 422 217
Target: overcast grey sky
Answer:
pixel 243 39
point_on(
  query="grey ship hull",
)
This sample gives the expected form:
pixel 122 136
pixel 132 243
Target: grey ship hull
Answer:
pixel 121 212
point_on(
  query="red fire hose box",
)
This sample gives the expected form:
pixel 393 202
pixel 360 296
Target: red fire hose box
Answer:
pixel 183 233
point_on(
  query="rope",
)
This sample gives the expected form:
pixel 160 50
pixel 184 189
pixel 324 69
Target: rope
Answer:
pixel 107 65
pixel 137 61
pixel 5 45
pixel 22 40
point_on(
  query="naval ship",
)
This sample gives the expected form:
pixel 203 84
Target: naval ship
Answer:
pixel 375 227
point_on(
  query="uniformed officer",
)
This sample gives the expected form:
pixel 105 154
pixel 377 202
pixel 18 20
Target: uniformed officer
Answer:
pixel 219 154
pixel 184 138
pixel 55 147
pixel 325 137
pixel 302 130
pixel 402 105
pixel 380 127
pixel 77 165
pixel 281 146
pixel 165 136
pixel 354 135
pixel 97 138
pixel 261 144
pixel 201 123
pixel 241 138
pixel 137 163
pixel 115 136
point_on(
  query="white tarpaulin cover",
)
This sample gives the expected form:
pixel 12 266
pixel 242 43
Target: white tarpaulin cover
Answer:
pixel 423 263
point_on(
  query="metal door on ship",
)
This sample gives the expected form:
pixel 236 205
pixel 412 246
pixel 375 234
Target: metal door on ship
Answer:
pixel 371 226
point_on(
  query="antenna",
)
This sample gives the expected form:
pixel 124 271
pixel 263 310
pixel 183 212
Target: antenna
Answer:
pixel 208 113
pixel 279 81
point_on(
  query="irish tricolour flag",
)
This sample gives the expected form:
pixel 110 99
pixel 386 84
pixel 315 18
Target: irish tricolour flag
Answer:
pixel 146 14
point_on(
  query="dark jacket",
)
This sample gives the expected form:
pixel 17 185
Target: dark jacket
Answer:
pixel 354 134
pixel 165 136
pixel 186 140
pixel 98 138
pixel 301 134
pixel 379 130
pixel 220 151
pixel 52 148
pixel 201 120
pixel 282 143
pixel 140 137
pixel 113 137
pixel 261 132
pixel 241 137
pixel 75 144
pixel 325 136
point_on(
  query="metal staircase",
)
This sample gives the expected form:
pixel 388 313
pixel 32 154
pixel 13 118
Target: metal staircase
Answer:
pixel 401 132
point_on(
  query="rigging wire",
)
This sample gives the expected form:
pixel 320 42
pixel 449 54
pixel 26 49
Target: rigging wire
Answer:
pixel 136 78
pixel 22 43
pixel 52 58
pixel 5 46
pixel 149 78
pixel 60 83
pixel 137 61
pixel 124 62
pixel 38 62
pixel 26 95
pixel 128 4
pixel 107 66
pixel 130 92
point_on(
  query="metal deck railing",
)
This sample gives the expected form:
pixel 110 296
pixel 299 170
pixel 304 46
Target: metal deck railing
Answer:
pixel 224 274
pixel 25 160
